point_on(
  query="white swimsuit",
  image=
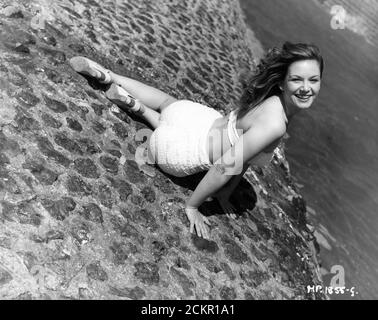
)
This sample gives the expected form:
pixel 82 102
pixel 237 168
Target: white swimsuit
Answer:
pixel 178 145
pixel 232 132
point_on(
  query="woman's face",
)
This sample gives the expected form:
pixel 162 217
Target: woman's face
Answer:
pixel 301 84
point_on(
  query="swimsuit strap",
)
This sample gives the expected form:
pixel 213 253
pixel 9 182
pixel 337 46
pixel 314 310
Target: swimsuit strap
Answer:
pixel 231 128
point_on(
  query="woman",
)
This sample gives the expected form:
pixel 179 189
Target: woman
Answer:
pixel 190 137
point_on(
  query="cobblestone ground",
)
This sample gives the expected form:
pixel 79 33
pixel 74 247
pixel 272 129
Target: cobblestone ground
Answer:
pixel 79 218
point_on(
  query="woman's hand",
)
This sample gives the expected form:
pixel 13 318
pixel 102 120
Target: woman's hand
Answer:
pixel 199 221
pixel 226 205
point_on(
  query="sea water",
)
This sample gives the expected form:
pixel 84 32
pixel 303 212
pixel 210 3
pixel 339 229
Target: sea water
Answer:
pixel 332 149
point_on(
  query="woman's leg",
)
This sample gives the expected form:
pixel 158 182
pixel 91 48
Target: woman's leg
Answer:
pixel 128 103
pixel 153 100
pixel 151 116
pixel 151 97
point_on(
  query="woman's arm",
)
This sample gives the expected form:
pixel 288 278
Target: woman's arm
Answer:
pixel 223 195
pixel 214 179
pixel 235 160
pixel 230 186
pixel 231 164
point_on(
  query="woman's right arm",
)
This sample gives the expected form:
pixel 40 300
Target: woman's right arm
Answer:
pixel 223 195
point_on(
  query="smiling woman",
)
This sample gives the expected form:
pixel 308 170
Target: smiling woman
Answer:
pixel 190 137
pixel 292 73
pixel 301 85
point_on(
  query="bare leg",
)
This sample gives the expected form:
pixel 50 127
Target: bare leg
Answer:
pixel 151 116
pixel 129 103
pixel 151 97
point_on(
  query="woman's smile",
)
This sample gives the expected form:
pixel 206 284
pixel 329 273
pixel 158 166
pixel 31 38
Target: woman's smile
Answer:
pixel 301 85
pixel 303 98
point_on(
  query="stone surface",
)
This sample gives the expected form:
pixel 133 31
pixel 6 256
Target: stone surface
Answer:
pixel 46 148
pixel 186 285
pixel 233 251
pixel 78 186
pixel 135 293
pixel 62 140
pixel 78 212
pixel 147 272
pixel 43 174
pixel 92 212
pixel 96 272
pixel 227 293
pixel 55 105
pixel 120 252
pixel 59 209
pixel 204 244
pixel 87 168
pixel 5 277
pixel 110 164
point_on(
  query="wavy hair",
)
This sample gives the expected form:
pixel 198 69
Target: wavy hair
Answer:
pixel 272 70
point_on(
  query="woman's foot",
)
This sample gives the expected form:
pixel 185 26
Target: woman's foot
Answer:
pixel 123 99
pixel 90 68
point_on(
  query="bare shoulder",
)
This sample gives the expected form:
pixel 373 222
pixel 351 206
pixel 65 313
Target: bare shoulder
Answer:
pixel 269 114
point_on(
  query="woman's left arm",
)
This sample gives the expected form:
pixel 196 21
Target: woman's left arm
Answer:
pixel 232 163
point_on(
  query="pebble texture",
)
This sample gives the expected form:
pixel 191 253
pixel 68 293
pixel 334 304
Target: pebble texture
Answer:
pixel 79 217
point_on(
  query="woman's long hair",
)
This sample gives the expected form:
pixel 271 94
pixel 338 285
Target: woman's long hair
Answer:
pixel 272 70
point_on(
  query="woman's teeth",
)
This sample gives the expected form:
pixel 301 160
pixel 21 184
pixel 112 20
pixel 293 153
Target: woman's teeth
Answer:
pixel 303 97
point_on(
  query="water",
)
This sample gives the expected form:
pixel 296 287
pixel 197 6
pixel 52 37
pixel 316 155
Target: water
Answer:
pixel 332 148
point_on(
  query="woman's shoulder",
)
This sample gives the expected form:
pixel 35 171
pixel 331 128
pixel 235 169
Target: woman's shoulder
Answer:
pixel 272 104
pixel 275 109
pixel 270 111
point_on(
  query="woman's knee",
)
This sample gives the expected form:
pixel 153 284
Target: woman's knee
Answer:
pixel 168 101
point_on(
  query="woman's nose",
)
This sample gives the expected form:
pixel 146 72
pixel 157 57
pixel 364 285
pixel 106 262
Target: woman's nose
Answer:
pixel 305 87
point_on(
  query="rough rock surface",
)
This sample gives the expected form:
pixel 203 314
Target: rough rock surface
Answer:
pixel 79 217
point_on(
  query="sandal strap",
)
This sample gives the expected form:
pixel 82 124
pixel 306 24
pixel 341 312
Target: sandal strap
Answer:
pixel 105 76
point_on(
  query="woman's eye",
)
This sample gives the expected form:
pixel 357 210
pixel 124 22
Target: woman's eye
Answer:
pixel 314 80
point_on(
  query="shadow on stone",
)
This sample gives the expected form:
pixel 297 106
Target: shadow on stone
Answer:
pixel 94 84
pixel 243 198
pixel 204 245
